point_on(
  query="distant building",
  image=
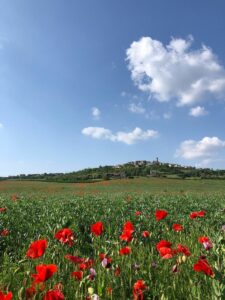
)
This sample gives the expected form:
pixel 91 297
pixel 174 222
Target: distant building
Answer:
pixel 156 162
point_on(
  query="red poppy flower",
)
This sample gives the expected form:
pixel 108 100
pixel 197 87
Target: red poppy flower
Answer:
pixel 177 227
pixel 128 226
pixel 164 249
pixel 82 266
pixel 54 295
pixel 3 209
pixel 74 259
pixel 97 228
pixel 193 215
pixel 102 256
pixel 4 232
pixel 44 272
pixel 203 266
pixel 128 230
pixel 183 249
pixel 196 214
pixel 139 285
pixel 125 251
pixel 126 236
pixel 37 249
pixel 165 252
pixel 205 241
pixel 138 289
pixel 145 234
pixel 65 236
pixel 8 296
pixel 78 275
pixel 163 243
pixel 160 214
pixel 201 213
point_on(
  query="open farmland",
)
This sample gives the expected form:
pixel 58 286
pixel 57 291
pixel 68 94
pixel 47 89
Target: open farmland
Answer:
pixel 122 239
pixel 137 185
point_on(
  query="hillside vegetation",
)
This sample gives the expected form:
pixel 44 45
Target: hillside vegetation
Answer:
pixel 128 170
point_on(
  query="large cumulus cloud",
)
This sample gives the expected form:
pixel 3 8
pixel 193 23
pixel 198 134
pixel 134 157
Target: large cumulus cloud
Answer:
pixel 175 71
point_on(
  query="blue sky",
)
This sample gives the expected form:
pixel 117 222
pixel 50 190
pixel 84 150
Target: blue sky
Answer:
pixel 89 83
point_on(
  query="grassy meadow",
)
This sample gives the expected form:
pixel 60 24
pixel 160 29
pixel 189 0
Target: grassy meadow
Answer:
pixel 136 185
pixel 126 239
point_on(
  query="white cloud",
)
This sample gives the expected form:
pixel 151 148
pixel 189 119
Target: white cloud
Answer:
pixel 1 125
pixel 176 72
pixel 135 135
pixel 96 113
pixel 198 111
pixel 137 108
pixel 205 148
pixel 124 137
pixel 206 163
pixel 97 132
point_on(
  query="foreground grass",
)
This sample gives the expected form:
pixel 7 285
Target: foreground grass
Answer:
pixel 35 215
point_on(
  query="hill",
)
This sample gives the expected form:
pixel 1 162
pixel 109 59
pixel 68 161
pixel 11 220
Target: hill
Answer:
pixel 131 169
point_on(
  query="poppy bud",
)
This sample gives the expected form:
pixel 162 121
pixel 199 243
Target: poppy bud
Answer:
pixel 184 258
pixel 175 269
pixel 90 290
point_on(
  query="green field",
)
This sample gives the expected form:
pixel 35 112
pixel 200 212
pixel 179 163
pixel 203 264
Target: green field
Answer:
pixel 37 211
pixel 136 185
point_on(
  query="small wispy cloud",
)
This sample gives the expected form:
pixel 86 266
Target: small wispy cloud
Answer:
pixel 96 113
pixel 198 111
pixel 128 138
pixel 1 126
pixel 137 108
